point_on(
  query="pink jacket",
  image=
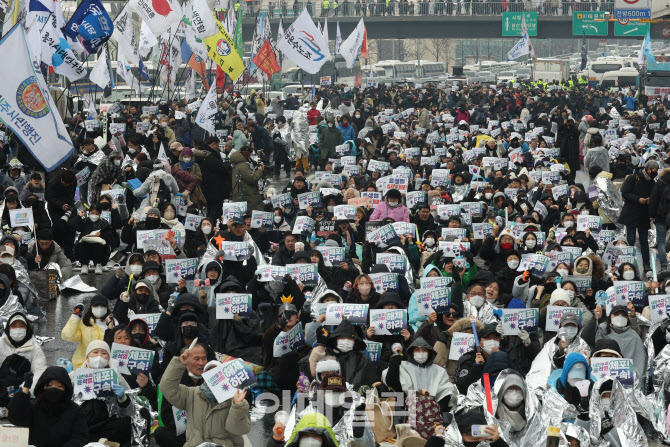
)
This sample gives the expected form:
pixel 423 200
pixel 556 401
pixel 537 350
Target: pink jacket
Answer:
pixel 398 214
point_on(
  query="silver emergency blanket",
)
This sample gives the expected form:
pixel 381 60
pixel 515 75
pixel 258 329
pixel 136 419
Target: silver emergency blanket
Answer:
pixel 543 365
pixel 211 252
pixel 654 405
pixel 459 193
pixel 300 131
pixel 11 306
pixel 41 341
pixel 77 284
pixel 609 198
pixel 626 427
pixel 577 432
pixel 409 270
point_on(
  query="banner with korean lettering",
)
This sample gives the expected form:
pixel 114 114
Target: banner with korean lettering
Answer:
pixel 461 343
pixel 132 360
pixel 658 305
pixel 267 273
pixel 621 369
pixel 227 378
pixel 289 341
pixel 175 269
pixel 373 350
pixel 262 219
pixel 230 304
pixel 309 199
pixel 235 251
pixel 537 264
pixel 436 281
pixel 304 44
pixel 634 291
pixel 396 263
pixel 305 225
pixel 92 23
pixel 593 223
pixel 554 314
pixel 433 300
pixel 91 383
pixel 515 320
pixel 26 106
pixel 357 314
pixel 332 256
pixel 388 321
pixel 306 274
pixel 150 319
pixel 385 282
pixel 223 52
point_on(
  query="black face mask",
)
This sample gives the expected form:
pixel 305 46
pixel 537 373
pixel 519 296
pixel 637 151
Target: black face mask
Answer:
pixel 152 222
pixel 190 332
pixel 142 298
pixel 138 339
pixel 105 205
pixel 53 395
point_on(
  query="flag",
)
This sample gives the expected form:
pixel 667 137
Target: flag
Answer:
pixel 364 48
pixel 194 61
pixel 57 53
pixel 519 49
pixel 123 69
pixel 304 45
pixel 92 113
pixel 524 32
pixel 190 86
pixel 12 14
pixel 221 49
pixel 159 14
pixel 100 73
pixel 144 72
pixel 147 39
pixel 38 11
pixel 338 39
pixel 256 42
pixel 239 42
pixel 280 33
pixel 318 23
pixel 92 23
pixel 584 51
pixel 646 52
pixel 230 21
pixel 208 109
pixel 325 29
pixel 202 19
pixel 266 60
pixel 27 108
pixel 351 48
pixel 125 36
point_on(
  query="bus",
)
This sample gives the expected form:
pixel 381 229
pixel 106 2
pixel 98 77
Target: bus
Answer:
pixel 335 69
pixel 596 69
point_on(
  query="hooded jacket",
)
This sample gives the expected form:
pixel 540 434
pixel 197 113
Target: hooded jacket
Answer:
pixel 247 188
pixel 167 324
pixel 77 332
pixel 175 346
pixel 412 310
pixel 357 369
pixel 27 348
pixel 329 138
pixel 559 378
pixel 57 256
pixel 224 423
pixel 150 307
pixel 145 189
pixel 314 424
pixel 50 425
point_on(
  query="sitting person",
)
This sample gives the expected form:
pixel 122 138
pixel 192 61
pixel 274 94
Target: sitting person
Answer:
pixel 46 251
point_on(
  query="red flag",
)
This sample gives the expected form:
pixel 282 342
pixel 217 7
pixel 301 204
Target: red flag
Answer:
pixel 364 47
pixel 266 60
pixel 220 79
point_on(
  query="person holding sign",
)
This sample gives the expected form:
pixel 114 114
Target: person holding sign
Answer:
pixel 45 250
pixel 574 382
pixel 345 344
pixel 196 242
pixel 53 419
pixel 391 207
pixel 106 174
pixel 621 326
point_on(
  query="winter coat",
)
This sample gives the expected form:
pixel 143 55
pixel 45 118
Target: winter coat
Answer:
pixel 658 209
pixel 61 425
pixel 27 348
pixel 262 139
pixel 633 212
pixel 443 346
pixel 87 226
pixel 77 332
pixel 356 368
pixel 424 119
pixel 398 214
pixel 569 144
pixel 329 138
pixel 57 257
pixel 597 156
pixel 216 177
pixel 145 189
pixel 224 423
pixel 247 189
pixel 348 132
pixel 151 306
pixel 58 195
pixel 239 139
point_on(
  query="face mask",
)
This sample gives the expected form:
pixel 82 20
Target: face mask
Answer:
pixel 562 272
pixel 531 243
pixel 568 224
pixel 570 332
pixel 190 332
pixel 131 150
pixel 277 219
pixel 488 345
pixel 330 125
pixel 477 301
pixel 53 395
pixel 94 217
pixel 345 345
pixel 392 204
pixel 169 215
pixel 506 245
pixel 135 269
pixel 164 124
pixel 513 398
pixel 606 403
pixel 99 311
pixel 206 229
pixel 187 159
pixel 585 213
pixel 582 270
pixel 332 399
pixel 421 357
pixel 105 205
pixel 117 162
pixel 365 290
pixel 571 294
pixel 619 321
pixel 628 275
pixel 138 338
pixel 7 260
pixel 18 334
pixel 488 195
pixel 653 174
pixel 429 242
pixel 190 374
pixel 152 222
pixel 309 442
pixel 208 394
pixel 424 153
pixel 330 209
pixel 152 278
pixel 97 362
pixel 513 264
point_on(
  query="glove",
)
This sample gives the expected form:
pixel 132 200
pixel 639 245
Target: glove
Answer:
pixel 525 337
pixel 526 276
pixel 172 302
pixel 120 272
pixel 28 379
pixel 499 328
pixel 78 310
pixel 119 391
pixel 125 297
pixel 456 274
pixel 186 193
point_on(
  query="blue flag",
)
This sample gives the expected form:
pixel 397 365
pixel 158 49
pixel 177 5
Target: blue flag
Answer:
pixel 92 23
pixel 143 71
pixel 584 52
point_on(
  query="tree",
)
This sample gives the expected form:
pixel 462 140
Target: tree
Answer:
pixel 436 48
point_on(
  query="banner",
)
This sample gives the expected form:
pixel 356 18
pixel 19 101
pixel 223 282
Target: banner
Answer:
pixel 306 274
pixel 622 369
pixel 21 217
pixel 235 251
pixel 373 350
pixel 332 256
pixel 175 269
pixel 227 378
pixel 515 320
pixel 388 321
pixel 125 36
pixel 89 383
pixel 229 304
pixel 288 341
pixel 221 49
pixel 208 109
pixel 267 273
pixel 357 314
pixel 56 52
pixel 262 219
pixel 158 14
pixel 461 343
pixel 351 47
pixel 132 360
pixel 92 23
pixel 433 300
pixel 266 60
pixel 304 225
pixel 304 44
pixel 554 314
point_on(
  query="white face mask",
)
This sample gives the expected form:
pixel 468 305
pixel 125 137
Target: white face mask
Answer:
pixel 513 264
pixel 628 275
pixel 330 209
pixel 429 242
pixel 331 125
pixel 585 213
pixel 97 362
pixel 7 260
pixel 345 345
pixel 531 243
pixel 135 269
pixel 424 153
pixel 187 159
pixel 18 334
pixel 99 311
pixel 562 272
pixel 420 357
pixel 358 115
pixel 164 124
pixel 152 278
pixel 309 442
pixel 206 229
pixel 488 195
pixel 392 203
pixel 619 321
pixel 277 219
pixel 94 217
pixel 571 294
pixel 117 162
pixel 568 224
pixel 477 301
pixel 513 398
pixel 606 403
pixel 169 215
pixel 488 345
pixel 332 399
pixel 365 290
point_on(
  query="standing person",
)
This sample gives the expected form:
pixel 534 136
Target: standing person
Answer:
pixel 215 178
pixel 636 190
pixel 569 144
pixel 60 199
pixel 659 209
pixel 313 115
pixel 245 188
pixel 329 138
pixel 262 141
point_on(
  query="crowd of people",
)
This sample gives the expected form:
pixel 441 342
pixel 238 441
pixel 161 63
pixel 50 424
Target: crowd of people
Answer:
pixel 427 268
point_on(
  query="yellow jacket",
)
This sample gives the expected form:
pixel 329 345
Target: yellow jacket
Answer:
pixel 77 332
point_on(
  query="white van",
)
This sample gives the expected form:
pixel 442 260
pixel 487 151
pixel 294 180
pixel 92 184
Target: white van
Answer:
pixel 597 68
pixel 626 77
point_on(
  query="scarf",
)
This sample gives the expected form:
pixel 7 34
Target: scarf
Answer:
pixel 186 166
pixel 647 177
pixel 171 222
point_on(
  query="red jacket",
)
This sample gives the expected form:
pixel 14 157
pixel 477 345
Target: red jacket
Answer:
pixel 312 117
pixel 185 180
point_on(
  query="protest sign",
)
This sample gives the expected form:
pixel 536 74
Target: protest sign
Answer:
pixel 433 282
pixel 357 314
pixel 332 256
pixel 516 320
pixel 227 378
pixel 385 282
pixel 304 225
pixel 554 314
pixel 373 350
pixel 433 300
pixel 262 219
pixel 396 262
pixel 89 383
pixel 180 268
pixel 229 304
pixel 132 360
pixel 267 273
pixel 622 369
pixel 461 343
pixel 309 199
pixel 306 274
pixel 235 251
pixel 288 341
pixel 21 217
pixel 150 319
pixel 388 321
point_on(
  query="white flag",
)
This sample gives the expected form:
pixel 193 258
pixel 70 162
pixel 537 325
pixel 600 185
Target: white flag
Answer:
pixel 123 69
pixel 205 118
pixel 351 48
pixel 190 85
pixel 280 33
pixel 57 53
pixel 100 73
pixel 92 113
pixel 338 39
pixel 28 109
pixel 230 21
pixel 161 154
pixel 34 41
pixel 519 49
pixel 325 29
pixel 202 19
pixel 304 45
pixel 125 36
pixel 159 14
pixel 524 32
pixel 147 39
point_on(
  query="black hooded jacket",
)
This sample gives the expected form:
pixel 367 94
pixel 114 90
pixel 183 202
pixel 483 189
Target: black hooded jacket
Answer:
pixel 62 424
pixel 174 347
pixel 150 306
pixel 167 324
pixel 356 368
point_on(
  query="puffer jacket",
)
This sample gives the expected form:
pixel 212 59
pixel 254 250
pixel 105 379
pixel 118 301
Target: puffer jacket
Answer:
pixel 57 257
pixel 224 423
pixel 145 189
pixel 398 214
pixel 27 348
pixel 247 191
pixel 77 332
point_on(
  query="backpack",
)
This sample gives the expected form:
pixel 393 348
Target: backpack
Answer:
pixel 11 376
pixel 423 413
pixel 160 193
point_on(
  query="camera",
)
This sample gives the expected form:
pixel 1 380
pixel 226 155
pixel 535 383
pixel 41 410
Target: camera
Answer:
pixel 67 215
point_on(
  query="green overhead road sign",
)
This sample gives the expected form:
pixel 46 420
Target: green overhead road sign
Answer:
pixel 511 24
pixel 583 23
pixel 624 27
